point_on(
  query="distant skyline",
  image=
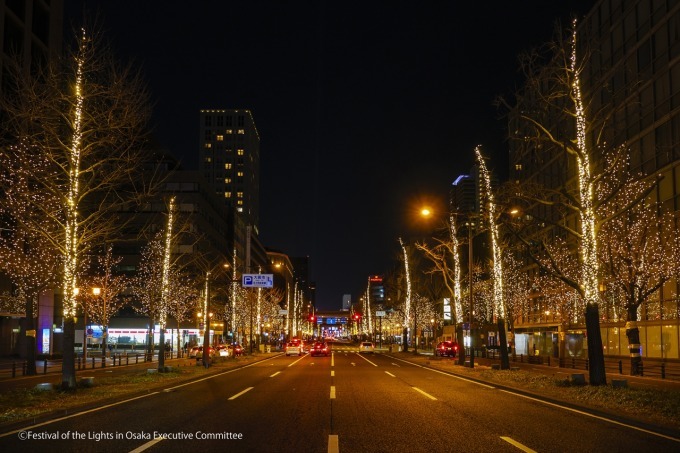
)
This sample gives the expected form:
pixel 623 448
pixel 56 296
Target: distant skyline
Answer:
pixel 363 108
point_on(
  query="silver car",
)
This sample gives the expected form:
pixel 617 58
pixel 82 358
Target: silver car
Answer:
pixel 293 349
pixel 366 346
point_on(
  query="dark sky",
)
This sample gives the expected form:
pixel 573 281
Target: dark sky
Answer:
pixel 364 108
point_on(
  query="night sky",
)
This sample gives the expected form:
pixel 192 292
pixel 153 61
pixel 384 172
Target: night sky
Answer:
pixel 365 109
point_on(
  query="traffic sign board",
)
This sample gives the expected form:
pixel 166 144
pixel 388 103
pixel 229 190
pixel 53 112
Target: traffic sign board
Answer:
pixel 257 280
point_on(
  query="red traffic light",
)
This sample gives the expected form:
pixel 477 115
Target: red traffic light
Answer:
pixel 312 318
pixel 357 316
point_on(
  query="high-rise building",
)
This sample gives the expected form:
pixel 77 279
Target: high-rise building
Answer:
pixel 230 160
pixel 229 153
pixel 32 30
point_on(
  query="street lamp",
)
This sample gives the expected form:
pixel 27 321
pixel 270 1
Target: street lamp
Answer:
pixel 470 225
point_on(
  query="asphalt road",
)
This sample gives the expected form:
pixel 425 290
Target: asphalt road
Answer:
pixel 347 402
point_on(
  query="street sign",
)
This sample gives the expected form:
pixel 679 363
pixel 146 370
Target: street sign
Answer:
pixel 257 280
pixel 380 314
pixel 283 312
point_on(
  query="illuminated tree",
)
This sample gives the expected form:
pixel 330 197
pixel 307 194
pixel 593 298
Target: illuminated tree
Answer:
pixel 26 256
pixel 640 255
pixel 86 116
pixel 103 292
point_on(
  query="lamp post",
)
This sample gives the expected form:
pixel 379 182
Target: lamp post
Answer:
pixel 96 293
pixel 470 225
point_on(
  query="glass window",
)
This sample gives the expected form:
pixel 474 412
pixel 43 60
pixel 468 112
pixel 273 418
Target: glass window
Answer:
pixel 654 341
pixel 669 336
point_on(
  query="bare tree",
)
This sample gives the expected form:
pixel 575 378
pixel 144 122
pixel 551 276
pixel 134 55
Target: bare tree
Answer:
pixel 26 255
pixel 86 115
pixel 106 297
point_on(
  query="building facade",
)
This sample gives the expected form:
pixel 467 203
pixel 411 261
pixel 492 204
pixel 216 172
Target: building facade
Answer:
pixel 630 81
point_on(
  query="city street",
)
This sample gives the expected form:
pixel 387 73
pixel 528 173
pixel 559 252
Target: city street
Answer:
pixel 346 402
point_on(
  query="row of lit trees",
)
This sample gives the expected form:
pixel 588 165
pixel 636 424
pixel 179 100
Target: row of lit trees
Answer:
pixel 594 227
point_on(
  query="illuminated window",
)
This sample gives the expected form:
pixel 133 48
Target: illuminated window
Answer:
pixel 229 131
pixel 240 195
pixel 208 159
pixel 241 131
pixel 227 180
pixel 518 167
pixel 227 166
pixel 240 174
pixel 220 138
pixel 240 152
pixel 239 202
pixel 227 194
pixel 239 209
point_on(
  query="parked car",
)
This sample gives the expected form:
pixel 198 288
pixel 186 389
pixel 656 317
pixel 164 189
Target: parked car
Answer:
pixel 319 348
pixel 235 350
pixel 446 348
pixel 193 351
pixel 367 346
pixel 222 351
pixel 293 349
pixel 199 353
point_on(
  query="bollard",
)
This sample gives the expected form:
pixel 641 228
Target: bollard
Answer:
pixel 24 366
pixel 137 356
pixel 663 368
pixel 104 358
pixel 45 367
pixel 548 356
pixel 14 369
pixel 641 368
pixel 521 356
pixel 93 360
pixel 620 365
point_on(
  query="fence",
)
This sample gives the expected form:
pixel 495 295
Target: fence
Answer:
pixel 19 367
pixel 650 368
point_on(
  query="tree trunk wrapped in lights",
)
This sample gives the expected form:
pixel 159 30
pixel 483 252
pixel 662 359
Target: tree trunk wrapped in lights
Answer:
pixel 87 117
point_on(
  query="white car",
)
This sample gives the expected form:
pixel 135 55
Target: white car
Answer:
pixel 366 346
pixel 293 349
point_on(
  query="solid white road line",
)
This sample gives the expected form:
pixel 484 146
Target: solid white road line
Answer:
pixel 366 359
pixel 447 374
pixel 518 445
pixel 332 392
pixel 390 373
pixel 333 446
pixel 424 393
pixel 297 360
pixel 278 372
pixel 614 422
pixel 240 393
pixel 147 445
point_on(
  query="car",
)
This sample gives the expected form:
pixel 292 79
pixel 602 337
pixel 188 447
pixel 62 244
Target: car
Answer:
pixel 193 351
pixel 235 350
pixel 293 348
pixel 367 346
pixel 199 353
pixel 222 351
pixel 319 348
pixel 446 349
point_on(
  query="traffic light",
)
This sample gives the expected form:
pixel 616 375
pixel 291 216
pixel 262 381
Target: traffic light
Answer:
pixel 312 318
pixel 357 317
